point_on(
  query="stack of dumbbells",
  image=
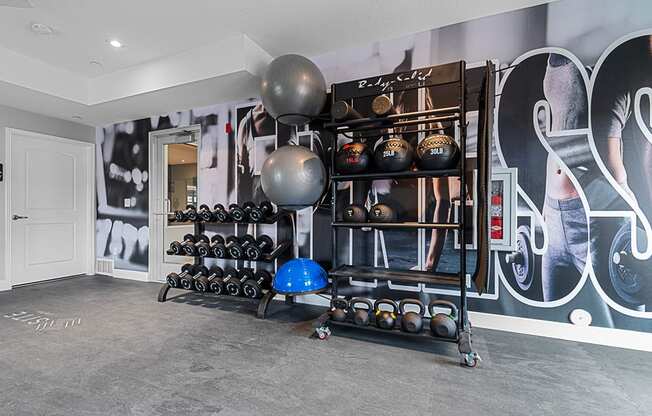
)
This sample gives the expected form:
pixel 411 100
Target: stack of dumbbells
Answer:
pixel 229 281
pixel 246 247
pixel 248 212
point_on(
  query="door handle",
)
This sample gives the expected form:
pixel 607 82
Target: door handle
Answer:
pixel 18 217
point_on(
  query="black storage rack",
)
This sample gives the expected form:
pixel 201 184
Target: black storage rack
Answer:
pixel 452 74
pixel 282 247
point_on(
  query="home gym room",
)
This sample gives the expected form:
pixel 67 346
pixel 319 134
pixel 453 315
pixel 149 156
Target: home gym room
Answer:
pixel 325 208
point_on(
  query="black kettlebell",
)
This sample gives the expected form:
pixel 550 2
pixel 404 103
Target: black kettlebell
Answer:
pixel 361 315
pixel 339 308
pixel 385 319
pixel 438 151
pixel 411 321
pixel 441 324
pixel 354 157
pixel 393 155
pixel 382 213
pixel 354 213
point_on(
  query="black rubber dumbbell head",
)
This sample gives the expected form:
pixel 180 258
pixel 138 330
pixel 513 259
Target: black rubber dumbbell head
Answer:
pixel 262 246
pixel 237 249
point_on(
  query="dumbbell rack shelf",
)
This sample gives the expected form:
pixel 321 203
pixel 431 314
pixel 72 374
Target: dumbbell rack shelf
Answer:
pixel 269 220
pixel 453 77
pixel 266 258
pixel 265 300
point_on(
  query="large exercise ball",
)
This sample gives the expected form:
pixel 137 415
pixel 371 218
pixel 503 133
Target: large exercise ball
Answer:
pixel 293 177
pixel 293 89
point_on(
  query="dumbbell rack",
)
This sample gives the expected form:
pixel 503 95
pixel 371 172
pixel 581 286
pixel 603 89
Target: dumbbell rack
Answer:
pixel 449 75
pixel 200 228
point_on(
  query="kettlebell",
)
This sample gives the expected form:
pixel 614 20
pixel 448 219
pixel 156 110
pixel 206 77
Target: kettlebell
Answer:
pixel 393 155
pixel 385 319
pixel 382 213
pixel 441 324
pixel 339 308
pixel 438 151
pixel 354 157
pixel 361 315
pixel 411 321
pixel 354 213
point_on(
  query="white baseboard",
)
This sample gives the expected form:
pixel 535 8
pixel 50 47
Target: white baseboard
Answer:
pixel 634 340
pixel 130 275
pixel 4 285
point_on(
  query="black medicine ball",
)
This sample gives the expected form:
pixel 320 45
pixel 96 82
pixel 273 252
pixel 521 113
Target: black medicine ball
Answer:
pixel 382 213
pixel 353 157
pixel 354 213
pixel 393 155
pixel 438 151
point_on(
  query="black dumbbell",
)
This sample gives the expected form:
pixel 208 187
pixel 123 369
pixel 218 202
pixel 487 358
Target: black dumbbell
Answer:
pixel 188 280
pixel 191 248
pixel 263 245
pixel 174 279
pixel 261 212
pixel 218 248
pixel 205 283
pixel 230 241
pixel 253 288
pixel 237 250
pixel 177 248
pixel 234 288
pixel 231 281
pixel 220 213
pixel 205 213
pixel 203 246
pixel 236 213
pixel 188 214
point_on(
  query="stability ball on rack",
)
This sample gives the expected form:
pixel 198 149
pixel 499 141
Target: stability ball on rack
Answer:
pixel 293 89
pixel 293 177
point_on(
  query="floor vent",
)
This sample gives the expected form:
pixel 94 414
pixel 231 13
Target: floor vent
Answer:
pixel 104 266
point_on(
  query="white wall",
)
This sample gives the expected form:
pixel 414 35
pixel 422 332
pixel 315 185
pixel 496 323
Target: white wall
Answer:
pixel 19 119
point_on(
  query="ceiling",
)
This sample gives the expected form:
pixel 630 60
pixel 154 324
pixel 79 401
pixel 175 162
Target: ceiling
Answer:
pixel 164 41
pixel 182 154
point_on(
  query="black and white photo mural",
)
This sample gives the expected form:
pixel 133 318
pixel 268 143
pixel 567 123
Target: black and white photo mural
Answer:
pixel 573 116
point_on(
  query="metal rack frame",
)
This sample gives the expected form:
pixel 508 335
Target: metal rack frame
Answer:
pixel 447 74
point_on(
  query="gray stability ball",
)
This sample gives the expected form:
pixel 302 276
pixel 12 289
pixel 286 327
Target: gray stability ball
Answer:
pixel 293 90
pixel 293 177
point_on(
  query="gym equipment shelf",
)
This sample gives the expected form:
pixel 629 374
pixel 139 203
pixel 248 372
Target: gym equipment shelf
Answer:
pixel 408 174
pixel 269 220
pixel 346 271
pixel 397 225
pixel 453 76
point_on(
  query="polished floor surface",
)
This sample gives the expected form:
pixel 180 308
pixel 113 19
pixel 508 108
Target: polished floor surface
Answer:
pixel 103 346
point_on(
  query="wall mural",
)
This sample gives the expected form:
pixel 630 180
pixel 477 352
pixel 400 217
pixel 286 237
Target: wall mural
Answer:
pixel 574 119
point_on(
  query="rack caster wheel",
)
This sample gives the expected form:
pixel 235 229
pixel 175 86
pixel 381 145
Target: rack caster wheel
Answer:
pixel 323 332
pixel 471 359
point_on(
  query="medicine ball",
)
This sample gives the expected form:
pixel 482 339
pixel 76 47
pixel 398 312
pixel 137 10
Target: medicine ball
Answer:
pixel 393 155
pixel 354 213
pixel 438 151
pixel 353 157
pixel 382 213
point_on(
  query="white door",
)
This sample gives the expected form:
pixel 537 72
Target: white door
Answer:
pixel 173 185
pixel 50 196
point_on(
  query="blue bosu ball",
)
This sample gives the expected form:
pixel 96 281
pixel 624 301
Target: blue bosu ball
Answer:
pixel 300 276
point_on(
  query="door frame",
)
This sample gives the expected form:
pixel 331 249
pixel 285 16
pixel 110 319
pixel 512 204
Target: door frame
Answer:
pixel 89 151
pixel 156 186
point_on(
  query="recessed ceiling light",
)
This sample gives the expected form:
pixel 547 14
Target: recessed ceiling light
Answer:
pixel 41 29
pixel 76 117
pixel 115 43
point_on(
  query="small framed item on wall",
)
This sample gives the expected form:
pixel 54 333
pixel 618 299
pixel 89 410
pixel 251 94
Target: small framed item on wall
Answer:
pixel 502 209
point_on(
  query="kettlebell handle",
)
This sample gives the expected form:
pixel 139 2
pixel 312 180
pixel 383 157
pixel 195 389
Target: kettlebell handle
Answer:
pixel 404 302
pixel 339 303
pixel 355 301
pixel 442 302
pixel 386 302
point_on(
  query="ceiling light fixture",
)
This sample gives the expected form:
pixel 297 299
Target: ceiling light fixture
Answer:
pixel 115 43
pixel 41 29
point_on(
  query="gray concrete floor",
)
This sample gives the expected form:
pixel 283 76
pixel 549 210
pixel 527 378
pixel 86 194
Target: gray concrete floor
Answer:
pixel 123 353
